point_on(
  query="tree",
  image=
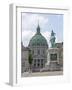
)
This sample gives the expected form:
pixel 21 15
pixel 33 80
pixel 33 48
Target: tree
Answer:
pixel 30 59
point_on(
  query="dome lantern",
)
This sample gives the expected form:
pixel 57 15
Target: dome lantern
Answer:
pixel 38 29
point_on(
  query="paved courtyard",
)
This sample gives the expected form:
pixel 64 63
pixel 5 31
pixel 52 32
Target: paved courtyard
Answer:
pixel 50 73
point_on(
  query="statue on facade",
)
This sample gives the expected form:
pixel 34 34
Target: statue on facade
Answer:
pixel 52 39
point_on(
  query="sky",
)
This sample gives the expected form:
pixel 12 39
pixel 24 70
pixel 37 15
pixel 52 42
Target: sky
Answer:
pixel 47 23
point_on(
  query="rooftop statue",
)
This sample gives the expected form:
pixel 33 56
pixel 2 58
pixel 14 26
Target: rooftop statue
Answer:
pixel 52 39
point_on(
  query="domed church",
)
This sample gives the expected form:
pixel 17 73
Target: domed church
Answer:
pixel 38 46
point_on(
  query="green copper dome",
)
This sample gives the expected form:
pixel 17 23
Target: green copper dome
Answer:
pixel 38 39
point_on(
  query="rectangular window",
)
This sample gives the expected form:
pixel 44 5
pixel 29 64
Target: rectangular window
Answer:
pixel 41 65
pixel 34 65
pixel 38 52
pixel 35 61
pixel 38 64
pixel 38 60
pixel 33 52
pixel 41 60
pixel 43 52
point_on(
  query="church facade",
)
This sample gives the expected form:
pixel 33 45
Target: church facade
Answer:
pixel 38 46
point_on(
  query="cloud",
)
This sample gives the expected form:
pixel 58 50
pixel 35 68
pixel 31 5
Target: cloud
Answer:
pixel 26 36
pixel 59 39
pixel 30 21
pixel 47 34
